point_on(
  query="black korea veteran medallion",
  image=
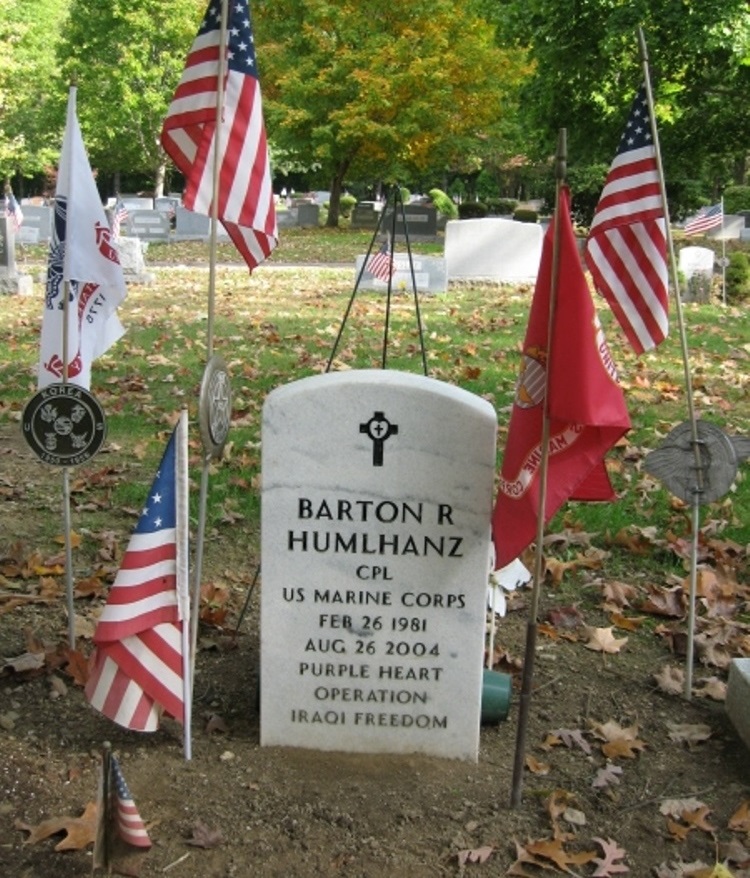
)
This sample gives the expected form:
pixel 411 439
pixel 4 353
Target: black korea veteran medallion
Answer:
pixel 64 424
pixel 215 406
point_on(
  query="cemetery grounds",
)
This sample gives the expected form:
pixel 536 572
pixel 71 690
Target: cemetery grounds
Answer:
pixel 623 775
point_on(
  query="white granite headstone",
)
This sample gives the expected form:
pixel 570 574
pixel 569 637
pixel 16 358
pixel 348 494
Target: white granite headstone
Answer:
pixel 493 248
pixel 376 507
pixel 696 260
pixel 429 275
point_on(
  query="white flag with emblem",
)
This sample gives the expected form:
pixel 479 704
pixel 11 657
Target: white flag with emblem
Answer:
pixel 84 266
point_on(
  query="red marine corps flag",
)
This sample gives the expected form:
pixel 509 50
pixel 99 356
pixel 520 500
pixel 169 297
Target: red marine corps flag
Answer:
pixel 83 266
pixel 577 379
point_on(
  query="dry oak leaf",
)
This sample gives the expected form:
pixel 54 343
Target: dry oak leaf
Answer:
pixel 81 831
pixel 552 849
pixel 606 865
pixel 618 741
pixel 607 776
pixel 689 733
pixel 535 766
pixel 477 855
pixel 671 679
pixel 602 640
pixel 618 595
pixel 203 837
pixel 740 820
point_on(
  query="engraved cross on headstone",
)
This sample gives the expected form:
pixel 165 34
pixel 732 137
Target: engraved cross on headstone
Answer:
pixel 378 428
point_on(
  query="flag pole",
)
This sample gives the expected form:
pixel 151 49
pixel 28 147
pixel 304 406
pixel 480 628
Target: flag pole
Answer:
pixel 67 521
pixel 695 439
pixel 213 247
pixel 723 258
pixel 182 525
pixel 531 624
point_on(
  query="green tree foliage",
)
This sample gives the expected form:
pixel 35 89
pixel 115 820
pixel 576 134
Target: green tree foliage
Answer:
pixel 127 57
pixel 29 81
pixel 377 91
pixel 588 68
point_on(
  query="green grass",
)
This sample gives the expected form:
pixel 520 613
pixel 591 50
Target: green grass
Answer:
pixel 279 325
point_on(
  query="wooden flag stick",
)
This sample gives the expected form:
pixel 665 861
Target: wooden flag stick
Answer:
pixel 696 441
pixel 531 624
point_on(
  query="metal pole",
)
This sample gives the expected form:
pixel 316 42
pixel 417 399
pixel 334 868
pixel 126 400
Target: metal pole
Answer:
pixel 696 442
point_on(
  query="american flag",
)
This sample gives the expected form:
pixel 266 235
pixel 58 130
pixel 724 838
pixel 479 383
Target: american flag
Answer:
pixel 130 827
pixel 119 218
pixel 626 251
pixel 140 659
pixel 13 211
pixel 706 218
pixel 190 137
pixel 381 264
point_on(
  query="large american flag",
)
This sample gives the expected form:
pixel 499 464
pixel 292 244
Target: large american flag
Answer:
pixel 381 264
pixel 706 218
pixel 189 134
pixel 140 661
pixel 626 251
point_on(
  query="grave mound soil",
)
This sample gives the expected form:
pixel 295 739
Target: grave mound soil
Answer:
pixel 283 812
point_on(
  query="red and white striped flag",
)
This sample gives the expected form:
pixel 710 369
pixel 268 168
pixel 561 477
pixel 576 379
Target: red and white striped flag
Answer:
pixel 128 823
pixel 381 264
pixel 626 251
pixel 190 135
pixel 141 659
pixel 706 218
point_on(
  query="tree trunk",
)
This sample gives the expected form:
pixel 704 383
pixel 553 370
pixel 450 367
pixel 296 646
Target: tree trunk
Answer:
pixel 159 177
pixel 337 185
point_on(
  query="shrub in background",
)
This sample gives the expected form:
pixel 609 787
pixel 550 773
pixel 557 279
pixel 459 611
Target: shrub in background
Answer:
pixel 472 210
pixel 346 204
pixel 737 277
pixel 501 206
pixel 525 215
pixel 443 203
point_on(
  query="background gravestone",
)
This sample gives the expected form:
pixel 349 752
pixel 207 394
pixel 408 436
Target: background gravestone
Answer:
pixel 376 505
pixel 37 218
pixel 697 265
pixel 11 282
pixel 493 248
pixel 429 275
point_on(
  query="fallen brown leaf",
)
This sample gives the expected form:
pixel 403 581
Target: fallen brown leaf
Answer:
pixel 81 831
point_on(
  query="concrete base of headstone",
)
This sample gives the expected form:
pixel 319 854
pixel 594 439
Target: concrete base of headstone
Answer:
pixel 16 284
pixel 133 261
pixel 493 248
pixel 429 274
pixel 738 697
pixel 375 540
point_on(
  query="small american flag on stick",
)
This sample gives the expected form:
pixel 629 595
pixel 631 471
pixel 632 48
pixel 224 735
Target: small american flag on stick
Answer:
pixel 141 662
pixel 381 264
pixel 120 830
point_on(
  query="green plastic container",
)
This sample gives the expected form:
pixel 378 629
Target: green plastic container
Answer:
pixel 496 689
